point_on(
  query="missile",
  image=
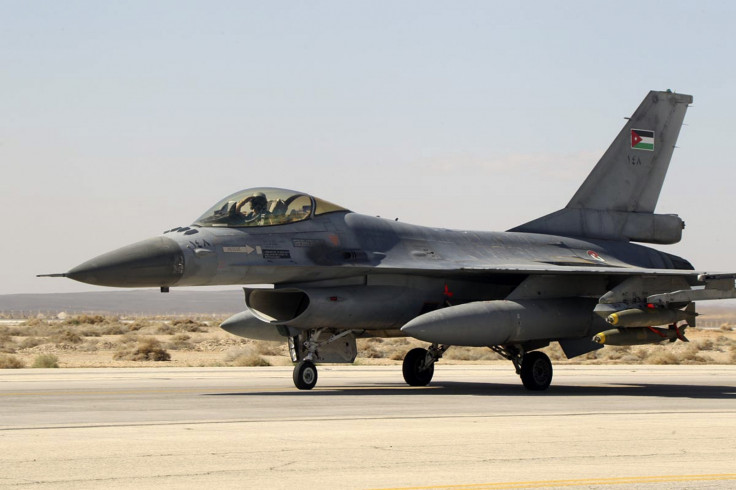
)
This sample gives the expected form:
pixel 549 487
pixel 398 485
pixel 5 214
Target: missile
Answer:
pixel 647 317
pixel 640 335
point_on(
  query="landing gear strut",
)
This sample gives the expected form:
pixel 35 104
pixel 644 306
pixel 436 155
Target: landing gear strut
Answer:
pixel 418 367
pixel 535 368
pixel 306 348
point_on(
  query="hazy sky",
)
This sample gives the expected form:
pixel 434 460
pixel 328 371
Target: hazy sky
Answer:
pixel 119 120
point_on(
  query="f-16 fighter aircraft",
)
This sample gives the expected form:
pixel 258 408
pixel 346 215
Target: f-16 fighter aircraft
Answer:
pixel 574 276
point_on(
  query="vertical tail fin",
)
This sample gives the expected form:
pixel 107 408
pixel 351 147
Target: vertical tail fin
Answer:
pixel 618 198
pixel 630 174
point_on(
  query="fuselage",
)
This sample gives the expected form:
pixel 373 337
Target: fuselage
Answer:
pixel 345 244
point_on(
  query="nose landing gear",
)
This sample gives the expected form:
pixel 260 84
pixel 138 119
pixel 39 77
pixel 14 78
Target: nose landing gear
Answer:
pixel 306 348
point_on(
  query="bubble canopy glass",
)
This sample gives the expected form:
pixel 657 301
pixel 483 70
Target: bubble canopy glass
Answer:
pixel 265 206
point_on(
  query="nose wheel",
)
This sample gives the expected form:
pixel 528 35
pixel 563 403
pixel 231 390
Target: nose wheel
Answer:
pixel 305 375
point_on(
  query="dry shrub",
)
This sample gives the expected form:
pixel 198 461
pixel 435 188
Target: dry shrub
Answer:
pixel 397 355
pixel 592 356
pixel 85 320
pixel 614 352
pixel 370 351
pixel 691 354
pixel 89 331
pixel 128 338
pixel 35 322
pixel 112 329
pixel 378 348
pixel 67 336
pixel 661 357
pixel 45 361
pixel 269 348
pixel 733 355
pixel 165 329
pixel 36 329
pixel 138 324
pixel 640 354
pixel 399 341
pixel 726 327
pixel 706 344
pixel 250 360
pixel 247 357
pixel 10 362
pixel 7 344
pixel 180 341
pixel 460 353
pixel 189 325
pixel 29 342
pixel 148 349
pixel 723 340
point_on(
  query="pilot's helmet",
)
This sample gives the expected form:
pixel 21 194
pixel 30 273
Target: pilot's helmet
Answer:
pixel 258 202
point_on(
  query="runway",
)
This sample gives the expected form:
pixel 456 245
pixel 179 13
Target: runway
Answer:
pixel 474 427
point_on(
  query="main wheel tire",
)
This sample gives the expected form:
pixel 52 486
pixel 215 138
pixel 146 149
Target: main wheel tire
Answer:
pixel 414 361
pixel 305 375
pixel 536 371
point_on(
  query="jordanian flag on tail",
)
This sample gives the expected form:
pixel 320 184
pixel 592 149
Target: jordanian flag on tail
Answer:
pixel 641 139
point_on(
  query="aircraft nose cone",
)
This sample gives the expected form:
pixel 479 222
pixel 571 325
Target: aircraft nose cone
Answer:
pixel 153 262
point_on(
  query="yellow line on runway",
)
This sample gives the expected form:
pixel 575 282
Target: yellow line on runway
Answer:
pixel 629 480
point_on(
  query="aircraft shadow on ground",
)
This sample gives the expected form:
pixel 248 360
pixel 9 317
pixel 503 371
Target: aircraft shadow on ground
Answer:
pixel 495 389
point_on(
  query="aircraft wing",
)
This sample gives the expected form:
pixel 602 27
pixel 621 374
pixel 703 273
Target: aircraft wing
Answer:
pixel 475 269
pixel 703 285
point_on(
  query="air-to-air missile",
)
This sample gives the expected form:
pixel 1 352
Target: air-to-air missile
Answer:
pixel 640 335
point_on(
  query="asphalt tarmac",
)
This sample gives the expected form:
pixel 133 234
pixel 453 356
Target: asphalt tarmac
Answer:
pixel 474 427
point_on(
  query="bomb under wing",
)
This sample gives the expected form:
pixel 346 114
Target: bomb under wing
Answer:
pixel 648 316
pixel 640 335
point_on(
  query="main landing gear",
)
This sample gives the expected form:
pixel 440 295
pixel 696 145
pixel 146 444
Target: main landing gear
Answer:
pixel 535 368
pixel 418 367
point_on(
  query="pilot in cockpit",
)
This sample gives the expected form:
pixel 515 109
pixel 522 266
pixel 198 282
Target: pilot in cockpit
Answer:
pixel 258 207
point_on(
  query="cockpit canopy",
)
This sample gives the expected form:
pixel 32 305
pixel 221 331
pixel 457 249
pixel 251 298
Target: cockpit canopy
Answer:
pixel 266 206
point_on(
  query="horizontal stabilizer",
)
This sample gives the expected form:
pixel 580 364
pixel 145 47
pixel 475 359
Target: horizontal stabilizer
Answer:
pixel 664 229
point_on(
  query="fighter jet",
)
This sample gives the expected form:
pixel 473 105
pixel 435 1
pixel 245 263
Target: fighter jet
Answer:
pixel 577 276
